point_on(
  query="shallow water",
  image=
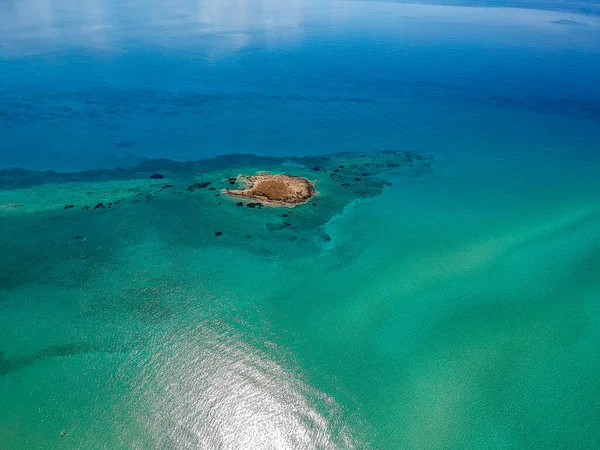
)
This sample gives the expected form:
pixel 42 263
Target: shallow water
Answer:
pixel 440 292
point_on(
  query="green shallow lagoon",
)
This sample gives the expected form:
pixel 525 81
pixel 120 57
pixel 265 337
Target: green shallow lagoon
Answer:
pixel 431 304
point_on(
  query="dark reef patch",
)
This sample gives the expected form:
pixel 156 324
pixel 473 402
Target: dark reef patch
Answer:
pixel 125 144
pixel 21 178
pixel 195 186
pixel 9 365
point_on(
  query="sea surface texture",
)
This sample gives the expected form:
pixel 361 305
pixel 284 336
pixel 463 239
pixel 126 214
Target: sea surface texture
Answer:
pixel 442 290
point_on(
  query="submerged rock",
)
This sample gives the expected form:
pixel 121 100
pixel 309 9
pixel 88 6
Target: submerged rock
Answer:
pixel 232 180
pixel 218 233
pixel 125 144
pixel 69 206
pixel 157 176
pixel 195 186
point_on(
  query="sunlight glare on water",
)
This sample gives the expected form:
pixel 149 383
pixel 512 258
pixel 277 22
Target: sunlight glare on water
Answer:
pixel 215 391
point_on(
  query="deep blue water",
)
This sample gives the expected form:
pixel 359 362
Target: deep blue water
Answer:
pixel 294 79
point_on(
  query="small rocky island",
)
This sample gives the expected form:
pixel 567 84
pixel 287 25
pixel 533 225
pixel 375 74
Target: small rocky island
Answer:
pixel 274 190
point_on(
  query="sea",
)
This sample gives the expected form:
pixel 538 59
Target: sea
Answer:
pixel 441 290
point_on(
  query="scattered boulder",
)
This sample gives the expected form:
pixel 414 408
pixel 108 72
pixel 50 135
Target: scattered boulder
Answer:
pixel 239 204
pixel 99 205
pixel 232 180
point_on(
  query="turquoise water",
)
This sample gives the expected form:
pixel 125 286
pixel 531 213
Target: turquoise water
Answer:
pixel 442 290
